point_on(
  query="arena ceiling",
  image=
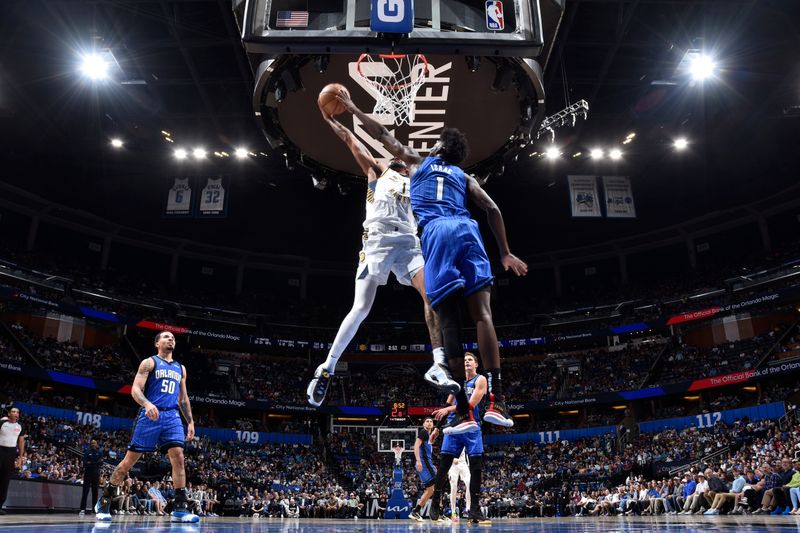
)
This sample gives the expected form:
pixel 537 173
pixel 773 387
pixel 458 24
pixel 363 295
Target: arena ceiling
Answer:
pixel 182 70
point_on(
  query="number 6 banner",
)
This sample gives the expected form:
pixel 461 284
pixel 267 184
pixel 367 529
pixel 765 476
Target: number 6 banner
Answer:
pixel 179 199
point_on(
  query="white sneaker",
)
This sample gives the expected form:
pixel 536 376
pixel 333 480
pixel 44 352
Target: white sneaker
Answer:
pixel 439 376
pixel 82 513
pixel 711 511
pixel 318 386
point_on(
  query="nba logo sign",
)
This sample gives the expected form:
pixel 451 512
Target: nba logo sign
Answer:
pixel 494 15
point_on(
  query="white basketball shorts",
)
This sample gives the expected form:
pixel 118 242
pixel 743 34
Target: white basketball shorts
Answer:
pixel 393 251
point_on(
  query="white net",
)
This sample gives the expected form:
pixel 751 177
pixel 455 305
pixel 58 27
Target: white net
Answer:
pixel 396 79
pixel 398 455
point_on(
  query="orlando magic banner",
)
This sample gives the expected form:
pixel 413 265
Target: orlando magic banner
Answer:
pixel 583 196
pixel 619 197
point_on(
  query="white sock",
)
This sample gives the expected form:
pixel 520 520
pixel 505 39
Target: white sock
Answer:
pixel 362 303
pixel 439 356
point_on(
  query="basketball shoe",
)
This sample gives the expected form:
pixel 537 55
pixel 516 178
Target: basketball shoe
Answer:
pixel 102 509
pixel 415 516
pixel 318 386
pixel 439 376
pixel 461 423
pixel 475 517
pixel 181 513
pixel 497 413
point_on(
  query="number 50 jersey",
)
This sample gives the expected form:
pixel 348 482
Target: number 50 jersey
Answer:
pixel 164 384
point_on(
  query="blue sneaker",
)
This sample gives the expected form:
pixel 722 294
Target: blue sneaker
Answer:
pixel 787 510
pixel 181 514
pixel 102 509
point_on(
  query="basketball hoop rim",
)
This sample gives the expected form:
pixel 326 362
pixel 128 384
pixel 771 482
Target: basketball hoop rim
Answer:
pixel 391 56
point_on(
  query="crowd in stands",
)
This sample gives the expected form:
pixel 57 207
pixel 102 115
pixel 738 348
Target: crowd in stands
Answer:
pixel 691 362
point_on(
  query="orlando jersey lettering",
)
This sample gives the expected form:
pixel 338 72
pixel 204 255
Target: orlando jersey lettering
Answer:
pixel 164 384
pixel 438 189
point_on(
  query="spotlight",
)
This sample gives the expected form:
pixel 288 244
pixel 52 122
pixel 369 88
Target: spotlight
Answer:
pixel 280 91
pixel 615 154
pixel 503 78
pixel 241 153
pixel 199 153
pixel 321 62
pixel 577 154
pixel 473 63
pixel 597 153
pixel 319 183
pixel 116 143
pixel 94 67
pixel 552 153
pixel 701 67
pixel 680 144
pixel 180 153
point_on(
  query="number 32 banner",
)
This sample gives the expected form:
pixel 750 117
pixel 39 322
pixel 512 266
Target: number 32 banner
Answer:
pixel 198 197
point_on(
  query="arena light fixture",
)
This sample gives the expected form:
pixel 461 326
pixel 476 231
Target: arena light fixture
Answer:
pixel 241 153
pixel 552 153
pixel 681 144
pixel 577 154
pixel 615 154
pixel 117 143
pixel 597 153
pixel 199 153
pixel 94 67
pixel 702 67
pixel 181 154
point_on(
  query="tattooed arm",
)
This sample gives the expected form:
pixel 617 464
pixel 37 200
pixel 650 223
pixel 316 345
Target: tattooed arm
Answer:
pixel 137 389
pixel 186 407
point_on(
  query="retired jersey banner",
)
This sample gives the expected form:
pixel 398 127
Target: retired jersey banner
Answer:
pixel 583 196
pixel 619 197
pixel 179 199
pixel 213 200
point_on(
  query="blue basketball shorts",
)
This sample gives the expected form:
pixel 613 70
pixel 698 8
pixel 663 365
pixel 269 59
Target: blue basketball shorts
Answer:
pixel 427 475
pixel 455 258
pixel 472 441
pixel 162 434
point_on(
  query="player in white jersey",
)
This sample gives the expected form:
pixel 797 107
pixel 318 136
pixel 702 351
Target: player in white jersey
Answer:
pixel 390 245
pixel 460 469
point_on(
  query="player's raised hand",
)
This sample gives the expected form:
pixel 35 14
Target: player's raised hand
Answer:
pixel 344 97
pixel 515 264
pixel 151 411
pixel 190 431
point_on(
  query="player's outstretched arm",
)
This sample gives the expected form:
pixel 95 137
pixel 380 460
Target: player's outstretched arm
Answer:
pixel 369 166
pixel 481 387
pixel 498 227
pixel 379 132
pixel 185 406
pixel 137 389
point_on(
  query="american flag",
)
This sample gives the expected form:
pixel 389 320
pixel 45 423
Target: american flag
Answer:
pixel 292 19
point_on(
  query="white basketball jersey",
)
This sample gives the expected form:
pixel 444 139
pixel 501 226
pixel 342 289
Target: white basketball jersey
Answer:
pixel 179 198
pixel 212 198
pixel 389 202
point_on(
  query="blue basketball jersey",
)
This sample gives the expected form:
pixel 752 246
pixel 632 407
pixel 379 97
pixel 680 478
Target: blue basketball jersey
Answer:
pixel 438 190
pixel 164 384
pixel 469 388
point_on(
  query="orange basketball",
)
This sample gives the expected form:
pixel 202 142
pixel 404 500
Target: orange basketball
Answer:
pixel 327 101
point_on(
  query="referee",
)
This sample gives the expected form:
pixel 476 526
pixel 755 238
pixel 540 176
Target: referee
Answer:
pixel 10 439
pixel 92 463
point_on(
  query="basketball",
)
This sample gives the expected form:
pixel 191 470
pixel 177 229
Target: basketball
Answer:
pixel 327 101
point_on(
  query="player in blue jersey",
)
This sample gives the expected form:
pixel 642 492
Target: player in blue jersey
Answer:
pixel 471 442
pixel 456 264
pixel 390 245
pixel 160 388
pixel 423 451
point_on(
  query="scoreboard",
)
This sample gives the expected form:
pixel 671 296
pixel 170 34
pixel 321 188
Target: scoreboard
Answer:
pixel 397 412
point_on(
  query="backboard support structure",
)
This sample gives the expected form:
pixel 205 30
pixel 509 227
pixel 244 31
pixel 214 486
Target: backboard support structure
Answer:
pixel 296 47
